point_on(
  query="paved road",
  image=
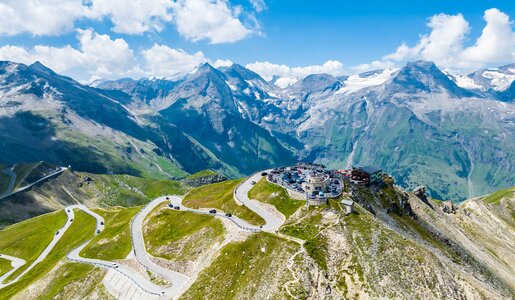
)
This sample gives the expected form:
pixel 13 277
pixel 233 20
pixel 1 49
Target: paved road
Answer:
pixel 13 178
pixel 16 263
pixel 177 280
pixel 242 224
pixel 55 239
pixel 242 194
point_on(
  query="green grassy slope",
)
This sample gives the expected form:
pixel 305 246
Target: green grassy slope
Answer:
pixel 114 242
pixel 27 239
pixel 82 229
pixel 180 235
pixel 220 196
pixel 269 193
pixel 203 173
pixel 90 189
pixel 246 269
pixel 499 195
pixel 5 266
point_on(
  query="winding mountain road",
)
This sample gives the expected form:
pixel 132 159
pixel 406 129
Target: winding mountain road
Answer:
pixel 273 222
pixel 16 263
pixel 178 280
pixel 70 214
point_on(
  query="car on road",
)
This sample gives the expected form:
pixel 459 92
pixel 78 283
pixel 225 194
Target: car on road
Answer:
pixel 264 174
pixel 101 223
pixel 98 230
pixel 57 233
pixel 213 211
pixel 170 205
pixel 71 220
pixel 252 182
pixel 228 215
pixel 167 198
pixel 177 208
pixel 115 265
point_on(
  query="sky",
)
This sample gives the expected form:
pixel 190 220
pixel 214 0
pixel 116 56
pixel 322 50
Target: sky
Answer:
pixel 109 39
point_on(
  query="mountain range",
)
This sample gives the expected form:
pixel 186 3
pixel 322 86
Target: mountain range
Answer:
pixel 451 133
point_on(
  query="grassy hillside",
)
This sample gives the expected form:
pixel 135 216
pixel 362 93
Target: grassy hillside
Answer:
pixel 220 196
pixel 90 189
pixel 496 197
pixel 114 242
pixel 253 269
pixel 180 235
pixel 27 239
pixel 82 229
pixel 204 173
pixel 5 266
pixel 269 193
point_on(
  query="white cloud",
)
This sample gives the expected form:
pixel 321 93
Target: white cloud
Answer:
pixel 222 63
pixel 215 21
pixel 497 41
pixel 134 16
pixel 259 5
pixel 289 75
pixel 98 56
pixel 375 65
pixel 445 44
pixel 49 17
pixel 162 61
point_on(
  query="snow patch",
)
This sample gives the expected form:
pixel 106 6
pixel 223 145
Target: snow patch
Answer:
pixel 356 82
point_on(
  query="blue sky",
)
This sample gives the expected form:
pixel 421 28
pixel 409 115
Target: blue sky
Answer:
pixel 115 38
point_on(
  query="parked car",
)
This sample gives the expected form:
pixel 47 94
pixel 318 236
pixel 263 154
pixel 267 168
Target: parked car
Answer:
pixel 57 232
pixel 71 220
pixel 264 174
pixel 98 230
pixel 101 223
pixel 177 208
pixel 228 215
pixel 170 205
pixel 213 211
pixel 167 198
pixel 253 182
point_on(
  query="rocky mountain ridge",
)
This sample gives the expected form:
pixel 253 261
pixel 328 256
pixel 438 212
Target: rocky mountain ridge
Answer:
pixel 423 126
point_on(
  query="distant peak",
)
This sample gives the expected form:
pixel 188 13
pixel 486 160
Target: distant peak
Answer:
pixel 206 66
pixel 42 68
pixel 422 64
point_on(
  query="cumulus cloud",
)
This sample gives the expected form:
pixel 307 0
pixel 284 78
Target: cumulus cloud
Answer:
pixel 50 17
pixel 162 61
pixel 215 21
pixel 289 75
pixel 134 16
pixel 375 65
pixel 497 41
pixel 445 44
pixel 98 56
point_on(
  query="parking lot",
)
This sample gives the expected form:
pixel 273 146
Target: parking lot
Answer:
pixel 313 181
